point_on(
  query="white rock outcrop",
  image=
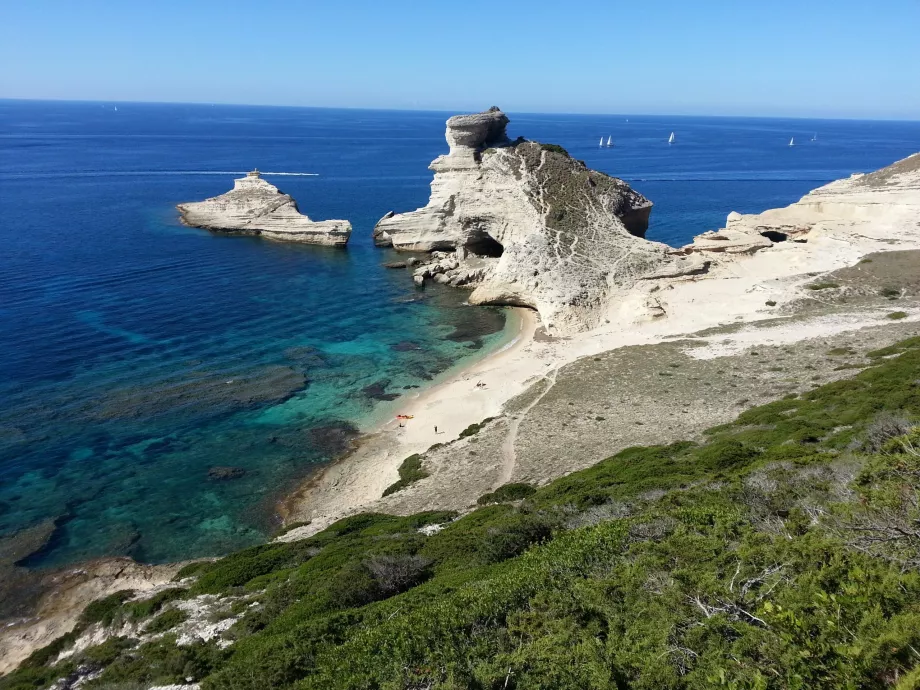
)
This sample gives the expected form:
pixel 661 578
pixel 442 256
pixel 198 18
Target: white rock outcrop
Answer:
pixel 525 224
pixel 883 206
pixel 256 207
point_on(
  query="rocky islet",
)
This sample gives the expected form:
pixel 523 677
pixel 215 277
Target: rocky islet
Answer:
pixel 257 207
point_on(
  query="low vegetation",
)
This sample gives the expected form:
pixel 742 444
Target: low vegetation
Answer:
pixel 474 429
pixel 826 285
pixel 554 148
pixel 410 471
pixel 783 551
pixel 507 493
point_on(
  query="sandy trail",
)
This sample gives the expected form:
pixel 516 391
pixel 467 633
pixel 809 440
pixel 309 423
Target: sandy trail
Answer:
pixel 509 455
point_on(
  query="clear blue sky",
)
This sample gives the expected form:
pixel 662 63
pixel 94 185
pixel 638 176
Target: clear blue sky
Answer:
pixel 809 58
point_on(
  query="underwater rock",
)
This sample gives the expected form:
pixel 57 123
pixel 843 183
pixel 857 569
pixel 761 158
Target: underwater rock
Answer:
pixel 222 473
pixel 377 391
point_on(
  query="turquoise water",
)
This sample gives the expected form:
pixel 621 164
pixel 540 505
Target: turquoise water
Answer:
pixel 138 354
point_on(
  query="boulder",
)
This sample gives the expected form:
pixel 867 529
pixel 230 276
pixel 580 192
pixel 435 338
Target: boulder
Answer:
pixel 222 473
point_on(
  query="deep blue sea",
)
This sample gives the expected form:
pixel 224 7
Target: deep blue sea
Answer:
pixel 137 354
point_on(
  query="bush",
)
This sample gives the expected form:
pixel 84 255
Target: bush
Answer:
pixel 474 429
pixel 883 428
pixel 191 569
pixel 510 540
pixel 555 148
pixel 394 574
pixel 826 285
pixel 410 471
pixel 147 607
pixel 166 621
pixel 896 315
pixel 507 493
pixel 105 610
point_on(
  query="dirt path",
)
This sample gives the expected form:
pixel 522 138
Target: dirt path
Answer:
pixel 509 456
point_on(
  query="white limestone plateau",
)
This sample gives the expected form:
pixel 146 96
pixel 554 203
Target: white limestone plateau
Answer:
pixel 524 224
pixel 883 206
pixel 256 207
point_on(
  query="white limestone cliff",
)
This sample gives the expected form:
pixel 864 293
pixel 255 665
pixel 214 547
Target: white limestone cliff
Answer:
pixel 883 206
pixel 528 225
pixel 256 207
pixel 522 223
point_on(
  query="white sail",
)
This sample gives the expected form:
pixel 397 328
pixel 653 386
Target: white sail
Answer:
pixel 602 142
pixel 609 141
pixel 815 137
pixel 671 138
pixel 792 141
pixel 116 108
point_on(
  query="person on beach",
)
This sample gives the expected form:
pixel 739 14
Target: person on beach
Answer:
pixel 436 430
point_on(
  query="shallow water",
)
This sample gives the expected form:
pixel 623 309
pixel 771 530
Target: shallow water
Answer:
pixel 138 354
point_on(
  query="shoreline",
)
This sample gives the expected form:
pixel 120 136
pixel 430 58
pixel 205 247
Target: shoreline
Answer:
pixel 388 444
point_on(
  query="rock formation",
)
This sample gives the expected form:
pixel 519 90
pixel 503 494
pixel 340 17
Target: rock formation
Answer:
pixel 525 224
pixel 883 206
pixel 256 207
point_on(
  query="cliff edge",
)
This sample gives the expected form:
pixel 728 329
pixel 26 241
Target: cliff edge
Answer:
pixel 256 207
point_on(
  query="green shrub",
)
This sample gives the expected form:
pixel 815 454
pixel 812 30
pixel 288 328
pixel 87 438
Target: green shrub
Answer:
pixel 161 663
pixel 554 148
pixel 410 471
pixel 166 621
pixel 512 539
pixel 105 610
pixel 474 429
pixel 825 285
pixel 507 493
pixel 191 569
pixel 895 315
pixel 147 607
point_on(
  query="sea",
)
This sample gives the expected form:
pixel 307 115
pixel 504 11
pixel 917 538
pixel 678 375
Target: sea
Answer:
pixel 162 388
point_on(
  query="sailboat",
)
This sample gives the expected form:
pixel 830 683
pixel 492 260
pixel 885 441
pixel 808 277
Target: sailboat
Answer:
pixel 792 141
pixel 116 108
pixel 815 137
pixel 671 138
pixel 602 142
pixel 609 142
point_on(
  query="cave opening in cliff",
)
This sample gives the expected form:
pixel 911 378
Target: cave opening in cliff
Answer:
pixel 485 245
pixel 775 236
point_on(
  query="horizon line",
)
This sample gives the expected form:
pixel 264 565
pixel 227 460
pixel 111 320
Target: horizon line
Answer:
pixel 453 111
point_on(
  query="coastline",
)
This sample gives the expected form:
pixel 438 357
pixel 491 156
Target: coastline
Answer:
pixel 770 299
pixel 362 475
pixel 764 298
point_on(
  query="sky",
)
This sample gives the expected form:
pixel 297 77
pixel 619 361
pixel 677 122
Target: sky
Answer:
pixel 803 58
